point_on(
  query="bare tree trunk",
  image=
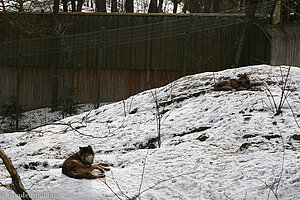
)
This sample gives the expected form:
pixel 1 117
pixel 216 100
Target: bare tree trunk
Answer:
pixel 153 7
pixel 79 5
pixel 114 6
pixel 129 6
pixel 65 5
pixel 276 14
pixel 21 6
pixel 175 7
pixel 16 185
pixel 160 3
pixel 73 4
pixel 100 5
pixel 56 6
pixel 250 16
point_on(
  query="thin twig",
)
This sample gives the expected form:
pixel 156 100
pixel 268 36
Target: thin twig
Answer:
pixel 113 178
pixel 269 94
pixel 143 172
pixel 283 88
pixel 157 117
pixel 124 107
pixel 103 181
pixel 282 163
pixel 294 115
pixel 268 186
pixel 129 109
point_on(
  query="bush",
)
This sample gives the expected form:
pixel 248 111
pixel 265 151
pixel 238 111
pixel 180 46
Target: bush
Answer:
pixel 68 103
pixel 13 111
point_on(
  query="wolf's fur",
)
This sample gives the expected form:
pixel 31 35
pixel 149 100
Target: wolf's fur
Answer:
pixel 242 83
pixel 79 165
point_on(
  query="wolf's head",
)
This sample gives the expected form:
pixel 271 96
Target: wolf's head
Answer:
pixel 244 76
pixel 244 80
pixel 86 154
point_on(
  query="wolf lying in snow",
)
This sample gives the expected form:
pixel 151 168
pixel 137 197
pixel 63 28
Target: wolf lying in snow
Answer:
pixel 242 83
pixel 80 165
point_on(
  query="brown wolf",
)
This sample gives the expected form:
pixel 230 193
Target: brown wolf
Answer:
pixel 80 165
pixel 242 83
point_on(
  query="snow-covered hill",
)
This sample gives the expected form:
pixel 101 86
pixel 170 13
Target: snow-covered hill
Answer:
pixel 215 144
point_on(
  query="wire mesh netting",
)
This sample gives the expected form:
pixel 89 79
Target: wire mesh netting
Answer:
pixel 122 58
pixel 81 50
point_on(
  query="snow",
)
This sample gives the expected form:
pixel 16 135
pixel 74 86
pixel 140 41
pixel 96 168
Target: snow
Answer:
pixel 215 144
pixel 38 117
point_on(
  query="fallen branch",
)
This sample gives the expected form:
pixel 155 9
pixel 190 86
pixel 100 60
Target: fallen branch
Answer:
pixel 16 184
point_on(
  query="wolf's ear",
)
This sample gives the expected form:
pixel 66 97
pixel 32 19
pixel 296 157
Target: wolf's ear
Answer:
pixel 80 148
pixel 89 147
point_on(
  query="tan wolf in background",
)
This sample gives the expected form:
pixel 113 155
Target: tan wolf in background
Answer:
pixel 79 165
pixel 242 83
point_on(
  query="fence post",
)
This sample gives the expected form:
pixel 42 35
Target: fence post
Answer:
pixel 187 46
pixel 18 90
pixel 99 52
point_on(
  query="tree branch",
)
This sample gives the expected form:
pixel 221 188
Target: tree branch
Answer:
pixel 16 185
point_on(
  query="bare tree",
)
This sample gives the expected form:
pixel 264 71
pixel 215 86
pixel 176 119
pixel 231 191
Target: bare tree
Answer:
pixel 21 5
pixel 175 5
pixel 56 6
pixel 65 5
pixel 250 16
pixel 100 5
pixel 153 7
pixel 129 6
pixel 79 5
pixel 160 3
pixel 114 7
pixel 75 8
pixel 73 5
pixel 16 184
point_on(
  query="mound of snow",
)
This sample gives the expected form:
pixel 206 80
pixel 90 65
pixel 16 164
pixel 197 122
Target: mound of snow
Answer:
pixel 215 145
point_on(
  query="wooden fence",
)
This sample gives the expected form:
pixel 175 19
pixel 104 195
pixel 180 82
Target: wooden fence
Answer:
pixel 108 57
pixel 285 45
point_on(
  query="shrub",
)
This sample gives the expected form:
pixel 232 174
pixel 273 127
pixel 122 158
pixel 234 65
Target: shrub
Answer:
pixel 13 111
pixel 68 103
